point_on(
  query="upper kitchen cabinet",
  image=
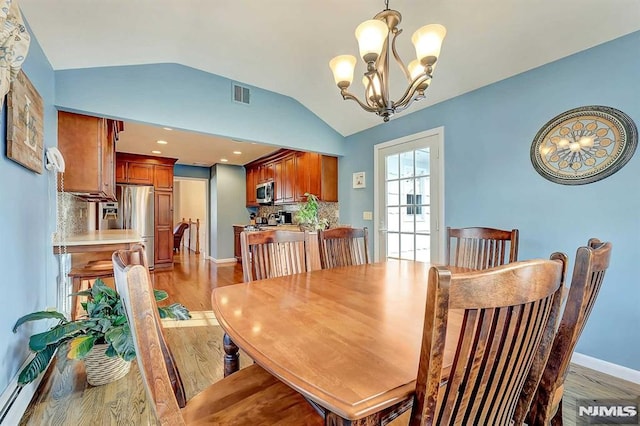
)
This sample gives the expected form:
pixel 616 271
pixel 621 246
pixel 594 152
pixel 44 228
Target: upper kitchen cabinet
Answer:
pixel 145 170
pixel 316 174
pixel 88 145
pixel 294 173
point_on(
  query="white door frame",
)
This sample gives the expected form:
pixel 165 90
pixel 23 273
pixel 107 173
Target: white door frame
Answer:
pixel 438 131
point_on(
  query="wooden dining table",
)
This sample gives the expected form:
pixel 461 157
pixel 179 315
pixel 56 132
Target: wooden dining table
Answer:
pixel 348 339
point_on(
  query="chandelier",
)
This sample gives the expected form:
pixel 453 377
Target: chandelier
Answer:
pixel 377 40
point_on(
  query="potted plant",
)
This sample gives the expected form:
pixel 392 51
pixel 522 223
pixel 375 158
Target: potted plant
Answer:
pixel 307 216
pixel 102 337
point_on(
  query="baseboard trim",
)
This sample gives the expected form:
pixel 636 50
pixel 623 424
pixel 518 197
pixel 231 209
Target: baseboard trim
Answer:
pixel 606 367
pixel 15 399
pixel 228 260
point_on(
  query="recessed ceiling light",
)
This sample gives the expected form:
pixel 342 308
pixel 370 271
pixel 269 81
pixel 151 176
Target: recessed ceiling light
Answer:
pixel 167 128
pixel 162 142
pixel 156 152
pixel 224 160
pixel 237 152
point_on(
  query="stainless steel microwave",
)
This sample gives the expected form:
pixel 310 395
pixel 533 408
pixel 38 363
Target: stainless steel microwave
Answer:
pixel 264 193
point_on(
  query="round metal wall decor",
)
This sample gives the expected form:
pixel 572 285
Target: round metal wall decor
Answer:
pixel 584 145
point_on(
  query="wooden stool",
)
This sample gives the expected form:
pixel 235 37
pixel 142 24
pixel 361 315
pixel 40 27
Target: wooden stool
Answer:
pixel 87 273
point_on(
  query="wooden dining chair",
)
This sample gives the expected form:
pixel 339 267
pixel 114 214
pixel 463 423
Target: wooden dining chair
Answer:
pixel 590 266
pixel 507 311
pixel 251 396
pixel 481 248
pixel 343 246
pixel 268 254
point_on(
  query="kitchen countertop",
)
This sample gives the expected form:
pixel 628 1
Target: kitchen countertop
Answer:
pixel 110 236
pixel 286 227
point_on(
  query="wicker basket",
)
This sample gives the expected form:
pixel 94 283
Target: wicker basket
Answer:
pixel 102 369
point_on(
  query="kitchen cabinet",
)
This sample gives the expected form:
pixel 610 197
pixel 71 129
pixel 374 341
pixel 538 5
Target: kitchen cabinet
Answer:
pixel 294 173
pixel 163 233
pixel 252 181
pixel 163 177
pixel 134 169
pixel 88 146
pixel 237 249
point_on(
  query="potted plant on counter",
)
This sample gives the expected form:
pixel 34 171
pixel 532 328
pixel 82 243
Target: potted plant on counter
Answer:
pixel 101 338
pixel 307 217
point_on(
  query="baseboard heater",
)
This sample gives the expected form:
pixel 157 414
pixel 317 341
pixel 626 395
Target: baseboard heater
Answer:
pixel 16 398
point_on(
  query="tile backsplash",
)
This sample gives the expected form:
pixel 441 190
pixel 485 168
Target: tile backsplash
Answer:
pixel 329 211
pixel 73 214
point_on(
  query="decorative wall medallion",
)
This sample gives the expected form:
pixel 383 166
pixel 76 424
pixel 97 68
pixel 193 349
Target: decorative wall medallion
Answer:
pixel 584 145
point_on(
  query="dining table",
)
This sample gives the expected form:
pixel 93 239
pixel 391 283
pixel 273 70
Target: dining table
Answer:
pixel 348 339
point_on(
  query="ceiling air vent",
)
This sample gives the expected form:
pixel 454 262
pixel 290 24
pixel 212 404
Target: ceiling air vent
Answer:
pixel 241 94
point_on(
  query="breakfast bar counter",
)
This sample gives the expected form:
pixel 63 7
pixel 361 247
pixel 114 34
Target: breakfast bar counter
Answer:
pixel 96 241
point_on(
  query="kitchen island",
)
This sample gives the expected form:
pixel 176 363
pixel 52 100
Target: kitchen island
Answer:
pixel 78 249
pixel 97 241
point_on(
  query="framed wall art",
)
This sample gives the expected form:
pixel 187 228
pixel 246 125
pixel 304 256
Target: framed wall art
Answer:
pixel 584 145
pixel 25 124
pixel 359 180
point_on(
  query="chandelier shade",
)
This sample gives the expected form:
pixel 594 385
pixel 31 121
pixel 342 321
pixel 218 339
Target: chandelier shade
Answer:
pixel 377 42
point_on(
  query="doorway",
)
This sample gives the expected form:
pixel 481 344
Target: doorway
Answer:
pixel 409 197
pixel 191 202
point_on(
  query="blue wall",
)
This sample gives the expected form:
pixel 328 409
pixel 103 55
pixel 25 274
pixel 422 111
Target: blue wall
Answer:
pixel 28 220
pixel 228 199
pixel 185 98
pixel 489 179
pixel 181 170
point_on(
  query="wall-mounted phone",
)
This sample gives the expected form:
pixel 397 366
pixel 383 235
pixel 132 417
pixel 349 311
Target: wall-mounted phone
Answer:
pixel 55 160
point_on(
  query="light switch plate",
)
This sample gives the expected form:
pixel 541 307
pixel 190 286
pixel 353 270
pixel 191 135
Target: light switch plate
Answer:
pixel 367 215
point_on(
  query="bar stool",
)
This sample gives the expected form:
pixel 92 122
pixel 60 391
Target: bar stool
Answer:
pixel 87 274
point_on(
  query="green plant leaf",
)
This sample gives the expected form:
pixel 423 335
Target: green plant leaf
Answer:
pixel 160 295
pixel 80 346
pixel 34 316
pixel 39 341
pixel 122 341
pixel 175 311
pixel 37 365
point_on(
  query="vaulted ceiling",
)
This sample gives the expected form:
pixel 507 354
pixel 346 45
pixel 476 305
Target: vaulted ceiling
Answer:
pixel 285 45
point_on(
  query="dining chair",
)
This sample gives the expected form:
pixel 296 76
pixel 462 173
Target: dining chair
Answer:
pixel 481 248
pixel 251 396
pixel 507 311
pixel 273 253
pixel 343 246
pixel 547 388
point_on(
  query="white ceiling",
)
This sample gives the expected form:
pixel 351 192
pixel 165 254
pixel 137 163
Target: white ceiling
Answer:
pixel 285 45
pixel 189 148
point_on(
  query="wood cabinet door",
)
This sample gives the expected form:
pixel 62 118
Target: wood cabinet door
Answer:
pixel 107 163
pixel 252 181
pixel 163 213
pixel 288 174
pixel 163 177
pixel 302 176
pixel 329 183
pixel 278 182
pixel 237 249
pixel 121 172
pixel 140 173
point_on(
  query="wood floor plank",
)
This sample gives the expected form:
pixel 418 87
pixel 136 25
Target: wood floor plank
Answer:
pixel 65 398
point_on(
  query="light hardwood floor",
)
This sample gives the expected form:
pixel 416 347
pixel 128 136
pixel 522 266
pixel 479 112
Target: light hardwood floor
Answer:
pixel 65 398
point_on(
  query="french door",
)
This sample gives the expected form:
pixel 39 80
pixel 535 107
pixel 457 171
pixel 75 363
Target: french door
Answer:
pixel 409 198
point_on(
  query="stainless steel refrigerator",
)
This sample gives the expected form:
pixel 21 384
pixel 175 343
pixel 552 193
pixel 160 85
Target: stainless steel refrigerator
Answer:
pixel 133 210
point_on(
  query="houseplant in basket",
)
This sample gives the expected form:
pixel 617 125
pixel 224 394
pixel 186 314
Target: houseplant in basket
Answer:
pixel 307 216
pixel 102 337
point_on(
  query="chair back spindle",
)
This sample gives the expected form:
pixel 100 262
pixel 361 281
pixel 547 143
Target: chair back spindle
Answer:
pixel 343 246
pixel 481 248
pixel 268 254
pixel 507 310
pixel 589 269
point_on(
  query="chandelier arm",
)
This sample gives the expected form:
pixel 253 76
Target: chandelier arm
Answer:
pixel 408 95
pixel 397 56
pixel 347 95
